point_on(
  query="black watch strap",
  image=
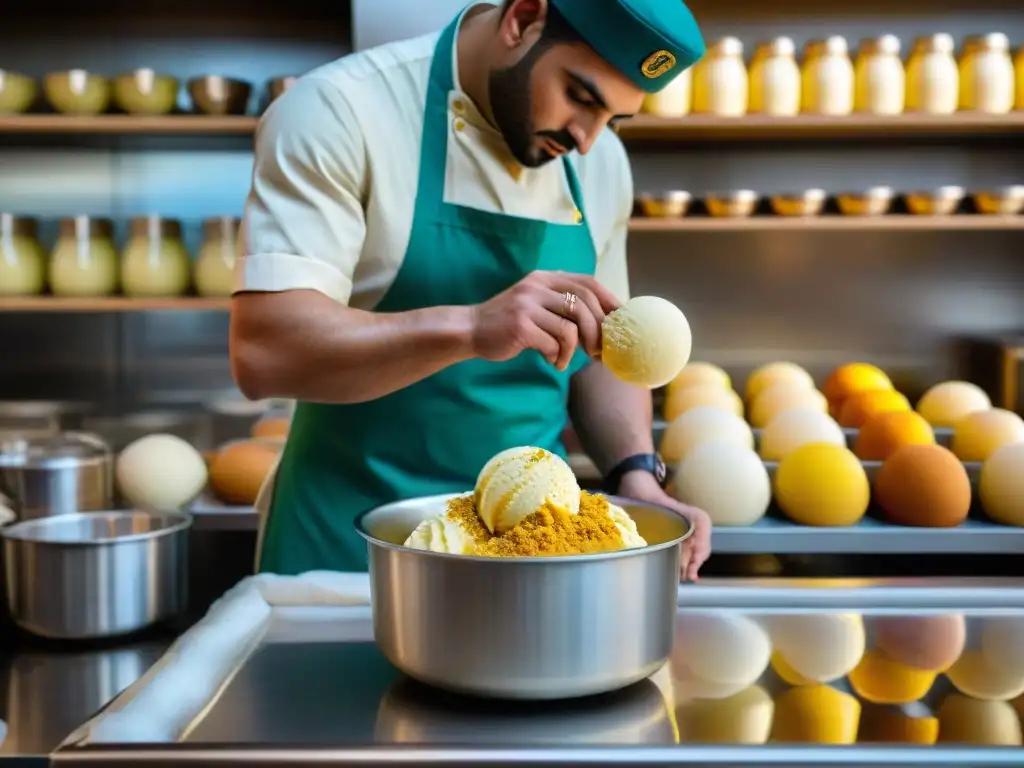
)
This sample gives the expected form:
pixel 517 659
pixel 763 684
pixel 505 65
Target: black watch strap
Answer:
pixel 648 462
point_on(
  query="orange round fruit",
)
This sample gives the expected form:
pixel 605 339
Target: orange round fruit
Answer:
pixel 847 380
pixel 923 485
pixel 859 408
pixel 776 373
pixel 883 433
pixel 822 484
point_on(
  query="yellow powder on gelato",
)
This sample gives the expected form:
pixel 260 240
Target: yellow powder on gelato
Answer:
pixel 551 530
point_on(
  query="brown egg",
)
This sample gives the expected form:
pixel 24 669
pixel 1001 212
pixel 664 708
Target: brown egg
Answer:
pixel 933 643
pixel 923 485
pixel 271 427
pixel 240 468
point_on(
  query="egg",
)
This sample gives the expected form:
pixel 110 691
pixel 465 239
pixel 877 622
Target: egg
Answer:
pixel 816 647
pixel 964 720
pixel 717 655
pixel 883 433
pixel 923 485
pixel 1001 485
pixel 743 718
pixel 994 670
pixel 931 643
pixel 890 725
pixel 240 469
pixel 704 424
pixel 646 341
pixel 796 427
pixel 881 680
pixel 822 484
pixel 777 373
pixel 860 408
pixel 700 373
pixel 945 404
pixel 161 472
pixel 816 714
pixel 781 397
pixel 978 435
pixel 853 378
pixel 680 401
pixel 726 480
pixel 271 427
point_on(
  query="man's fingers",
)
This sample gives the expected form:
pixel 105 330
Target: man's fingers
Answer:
pixel 580 311
pixel 563 331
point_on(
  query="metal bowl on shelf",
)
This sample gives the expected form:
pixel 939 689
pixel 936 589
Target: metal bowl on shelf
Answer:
pixel 1002 201
pixel 531 628
pixel 145 92
pixel 96 574
pixel 279 85
pixel 671 204
pixel 17 92
pixel 219 95
pixel 810 202
pixel 875 201
pixel 941 201
pixel 737 203
pixel 77 92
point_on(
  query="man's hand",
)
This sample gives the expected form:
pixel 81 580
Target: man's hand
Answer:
pixel 643 486
pixel 535 314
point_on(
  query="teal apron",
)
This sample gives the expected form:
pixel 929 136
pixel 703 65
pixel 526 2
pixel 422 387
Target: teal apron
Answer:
pixel 434 436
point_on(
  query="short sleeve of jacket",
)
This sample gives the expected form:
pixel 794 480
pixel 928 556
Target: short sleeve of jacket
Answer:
pixel 304 222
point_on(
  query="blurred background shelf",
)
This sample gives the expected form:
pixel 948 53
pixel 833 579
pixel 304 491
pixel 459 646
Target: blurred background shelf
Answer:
pixel 891 222
pixel 111 304
pixel 810 127
pixel 132 125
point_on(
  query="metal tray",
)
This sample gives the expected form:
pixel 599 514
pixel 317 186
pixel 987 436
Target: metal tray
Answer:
pixel 280 673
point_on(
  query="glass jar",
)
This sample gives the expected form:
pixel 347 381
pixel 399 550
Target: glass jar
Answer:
pixel 155 262
pixel 775 79
pixel 672 101
pixel 986 74
pixel 22 263
pixel 827 77
pixel 84 260
pixel 880 80
pixel 933 80
pixel 720 82
pixel 215 267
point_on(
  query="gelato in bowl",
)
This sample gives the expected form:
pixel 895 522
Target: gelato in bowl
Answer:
pixel 549 604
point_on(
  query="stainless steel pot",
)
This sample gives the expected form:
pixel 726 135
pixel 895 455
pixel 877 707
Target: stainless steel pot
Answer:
pixel 526 627
pixel 98 574
pixel 56 474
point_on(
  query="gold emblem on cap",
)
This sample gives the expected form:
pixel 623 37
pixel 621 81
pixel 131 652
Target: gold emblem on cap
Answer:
pixel 657 64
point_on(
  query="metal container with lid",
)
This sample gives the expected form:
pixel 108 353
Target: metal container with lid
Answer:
pixel 56 474
pixel 96 575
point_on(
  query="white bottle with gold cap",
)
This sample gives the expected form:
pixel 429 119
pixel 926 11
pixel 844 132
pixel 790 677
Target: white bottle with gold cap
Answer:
pixel 827 77
pixel 880 80
pixel 933 80
pixel 775 79
pixel 986 74
pixel 673 100
pixel 720 83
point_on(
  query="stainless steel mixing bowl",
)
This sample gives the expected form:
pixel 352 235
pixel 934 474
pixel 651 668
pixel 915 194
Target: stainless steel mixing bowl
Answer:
pixel 525 627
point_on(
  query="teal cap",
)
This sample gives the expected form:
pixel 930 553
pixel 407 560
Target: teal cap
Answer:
pixel 650 41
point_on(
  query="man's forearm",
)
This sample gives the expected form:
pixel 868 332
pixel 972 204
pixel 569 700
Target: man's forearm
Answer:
pixel 305 346
pixel 612 418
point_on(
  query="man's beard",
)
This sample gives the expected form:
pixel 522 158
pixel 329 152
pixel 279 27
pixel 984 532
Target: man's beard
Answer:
pixel 511 103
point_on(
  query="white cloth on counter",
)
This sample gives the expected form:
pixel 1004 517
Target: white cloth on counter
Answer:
pixel 174 692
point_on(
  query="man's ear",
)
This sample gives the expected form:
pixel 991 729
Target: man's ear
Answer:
pixel 523 23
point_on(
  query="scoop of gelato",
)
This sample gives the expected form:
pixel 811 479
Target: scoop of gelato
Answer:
pixel 520 481
pixel 646 342
pixel 443 534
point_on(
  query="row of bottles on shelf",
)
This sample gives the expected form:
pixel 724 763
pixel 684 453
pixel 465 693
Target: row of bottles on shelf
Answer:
pixel 85 262
pixel 934 80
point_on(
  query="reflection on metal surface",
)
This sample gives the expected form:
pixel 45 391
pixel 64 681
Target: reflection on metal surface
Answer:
pixel 50 694
pixel 765 684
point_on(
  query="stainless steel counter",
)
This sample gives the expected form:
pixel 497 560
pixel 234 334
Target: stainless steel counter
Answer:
pixel 47 690
pixel 763 673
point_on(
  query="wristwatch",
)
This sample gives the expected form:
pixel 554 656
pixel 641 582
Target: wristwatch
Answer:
pixel 648 462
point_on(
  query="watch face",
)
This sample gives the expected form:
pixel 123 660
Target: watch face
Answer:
pixel 660 470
